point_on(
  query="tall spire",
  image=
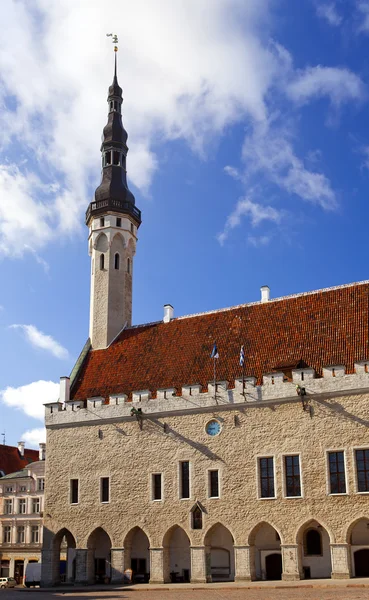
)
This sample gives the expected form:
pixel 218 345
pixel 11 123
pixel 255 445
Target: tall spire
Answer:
pixel 113 192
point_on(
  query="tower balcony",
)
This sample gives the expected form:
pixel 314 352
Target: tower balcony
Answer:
pixel 103 206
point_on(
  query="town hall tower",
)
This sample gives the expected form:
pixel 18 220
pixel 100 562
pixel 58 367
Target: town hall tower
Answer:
pixel 113 220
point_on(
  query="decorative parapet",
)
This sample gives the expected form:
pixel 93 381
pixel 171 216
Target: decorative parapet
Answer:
pixel 276 388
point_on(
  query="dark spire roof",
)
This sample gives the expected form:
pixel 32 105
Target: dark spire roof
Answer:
pixel 113 192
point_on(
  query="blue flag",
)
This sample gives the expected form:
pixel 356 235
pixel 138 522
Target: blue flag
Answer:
pixel 214 353
pixel 242 357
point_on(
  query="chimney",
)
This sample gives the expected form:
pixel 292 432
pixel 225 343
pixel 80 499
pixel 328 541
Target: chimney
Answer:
pixel 265 293
pixel 168 313
pixel 64 389
pixel 41 452
pixel 21 448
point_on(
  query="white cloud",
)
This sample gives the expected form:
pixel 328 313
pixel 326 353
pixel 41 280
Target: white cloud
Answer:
pixel 33 437
pixel 269 150
pixel 257 242
pixel 363 8
pixel 339 84
pixel 247 208
pixel 40 340
pixel 30 398
pixel 328 11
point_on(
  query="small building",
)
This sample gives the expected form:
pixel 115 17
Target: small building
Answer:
pixel 21 514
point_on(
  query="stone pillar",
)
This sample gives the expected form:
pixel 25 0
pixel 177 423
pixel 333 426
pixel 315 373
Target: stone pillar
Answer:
pixel 341 561
pixel 82 559
pixel 156 565
pixel 198 564
pixel 242 556
pixel 117 565
pixel 46 568
pixel 290 562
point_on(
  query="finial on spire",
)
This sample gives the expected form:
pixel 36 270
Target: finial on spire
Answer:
pixel 114 40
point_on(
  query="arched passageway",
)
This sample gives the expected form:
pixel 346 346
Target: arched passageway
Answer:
pixel 177 556
pixel 63 557
pixel 99 559
pixel 219 545
pixel 266 544
pixel 359 541
pixel 314 550
pixel 137 555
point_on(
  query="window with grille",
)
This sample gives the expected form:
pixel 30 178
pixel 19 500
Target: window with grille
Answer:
pixel 214 484
pixel 21 534
pixel 337 475
pixel 156 486
pixel 104 489
pixel 362 469
pixel 74 488
pixel 184 473
pixel 292 475
pixel 7 534
pixel 266 473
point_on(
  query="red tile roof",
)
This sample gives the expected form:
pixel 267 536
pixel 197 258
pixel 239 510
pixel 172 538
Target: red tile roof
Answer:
pixel 11 461
pixel 327 327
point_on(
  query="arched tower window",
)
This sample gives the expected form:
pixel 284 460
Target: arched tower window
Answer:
pixel 102 261
pixel 313 543
pixel 128 265
pixel 116 261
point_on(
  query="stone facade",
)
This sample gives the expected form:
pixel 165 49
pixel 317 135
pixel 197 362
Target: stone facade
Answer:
pixel 243 536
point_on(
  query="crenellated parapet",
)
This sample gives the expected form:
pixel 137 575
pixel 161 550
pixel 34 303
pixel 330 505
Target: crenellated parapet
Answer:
pixel 276 388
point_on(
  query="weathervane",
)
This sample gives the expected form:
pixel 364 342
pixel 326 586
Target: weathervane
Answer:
pixel 114 40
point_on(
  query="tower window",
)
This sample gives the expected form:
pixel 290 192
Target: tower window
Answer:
pixel 128 265
pixel 197 518
pixel 116 261
pixel 102 260
pixel 111 105
pixel 107 158
pixel 102 222
pixel 119 222
pixel 116 158
pixel 132 228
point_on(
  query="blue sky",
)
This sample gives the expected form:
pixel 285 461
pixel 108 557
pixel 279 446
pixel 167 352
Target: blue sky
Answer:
pixel 249 158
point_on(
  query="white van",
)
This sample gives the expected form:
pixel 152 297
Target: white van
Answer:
pixel 7 582
pixel 33 575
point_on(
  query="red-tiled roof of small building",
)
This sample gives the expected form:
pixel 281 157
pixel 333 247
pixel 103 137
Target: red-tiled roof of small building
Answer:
pixel 327 327
pixel 12 461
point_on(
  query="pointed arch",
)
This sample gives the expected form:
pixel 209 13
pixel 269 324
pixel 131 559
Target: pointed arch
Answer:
pixel 101 243
pixel 60 535
pixel 257 528
pixel 265 539
pixel 169 533
pixel 137 553
pixel 177 555
pixel 63 556
pixel 313 523
pixel 99 556
pixel 119 240
pixel 314 539
pixel 219 542
pixel 358 521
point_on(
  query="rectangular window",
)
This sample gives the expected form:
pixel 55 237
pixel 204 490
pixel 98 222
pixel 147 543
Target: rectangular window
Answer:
pixel 266 472
pixel 292 474
pixel 362 469
pixel 102 222
pixel 35 505
pixel 9 488
pixel 7 533
pixel 184 479
pixel 156 486
pixel 104 489
pixel 119 222
pixel 214 484
pixel 35 534
pixel 8 507
pixel 74 485
pixel 20 534
pixel 23 488
pixel 22 506
pixel 40 484
pixel 116 157
pixel 337 476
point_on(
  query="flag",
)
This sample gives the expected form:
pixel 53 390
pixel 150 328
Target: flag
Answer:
pixel 242 357
pixel 214 353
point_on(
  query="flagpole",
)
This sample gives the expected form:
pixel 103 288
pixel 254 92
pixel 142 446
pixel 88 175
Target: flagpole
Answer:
pixel 215 378
pixel 243 378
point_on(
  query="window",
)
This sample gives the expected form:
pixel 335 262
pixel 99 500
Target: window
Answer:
pixel 74 484
pixel 40 484
pixel 107 158
pixel 128 265
pixel 184 474
pixel 132 228
pixel 337 477
pixel 156 486
pixel 35 505
pixel 20 534
pixel 104 489
pixel 35 534
pixel 9 488
pixel 102 260
pixel 23 488
pixel 313 543
pixel 119 222
pixel 8 507
pixel 102 221
pixel 292 474
pixel 197 518
pixel 266 471
pixel 362 469
pixel 116 261
pixel 213 484
pixel 22 506
pixel 7 533
pixel 116 158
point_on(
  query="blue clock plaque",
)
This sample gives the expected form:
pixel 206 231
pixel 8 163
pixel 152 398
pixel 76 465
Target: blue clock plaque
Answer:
pixel 213 427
